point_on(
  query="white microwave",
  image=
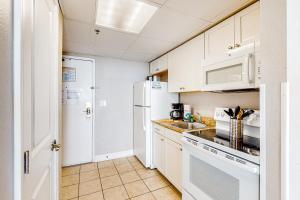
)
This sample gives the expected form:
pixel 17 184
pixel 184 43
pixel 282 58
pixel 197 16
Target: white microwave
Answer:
pixel 236 71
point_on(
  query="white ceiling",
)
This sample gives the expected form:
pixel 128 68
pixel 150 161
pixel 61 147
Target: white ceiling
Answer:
pixel 174 22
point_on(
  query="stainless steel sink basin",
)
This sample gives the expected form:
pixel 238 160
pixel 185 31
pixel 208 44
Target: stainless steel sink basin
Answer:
pixel 188 125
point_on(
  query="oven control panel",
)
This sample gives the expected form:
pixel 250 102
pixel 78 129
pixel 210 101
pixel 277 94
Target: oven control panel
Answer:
pixel 223 156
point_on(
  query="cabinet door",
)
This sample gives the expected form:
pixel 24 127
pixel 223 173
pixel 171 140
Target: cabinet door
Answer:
pixel 193 54
pixel 247 25
pixel 154 66
pixel 185 66
pixel 159 152
pixel 173 165
pixel 159 65
pixel 176 70
pixel 219 39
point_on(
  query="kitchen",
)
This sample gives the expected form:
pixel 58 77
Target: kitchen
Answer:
pixel 156 99
pixel 215 70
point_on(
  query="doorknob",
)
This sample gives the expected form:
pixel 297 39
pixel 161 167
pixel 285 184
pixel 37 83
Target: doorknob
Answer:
pixel 87 111
pixel 55 146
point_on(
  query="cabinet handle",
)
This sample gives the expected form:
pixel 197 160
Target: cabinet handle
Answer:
pixel 180 149
pixel 157 69
pixel 162 139
pixel 230 47
pixel 237 45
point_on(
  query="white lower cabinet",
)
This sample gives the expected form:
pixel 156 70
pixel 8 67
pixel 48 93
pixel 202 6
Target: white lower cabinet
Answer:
pixel 173 165
pixel 168 155
pixel 159 152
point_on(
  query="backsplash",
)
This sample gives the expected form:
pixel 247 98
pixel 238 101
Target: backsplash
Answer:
pixel 205 103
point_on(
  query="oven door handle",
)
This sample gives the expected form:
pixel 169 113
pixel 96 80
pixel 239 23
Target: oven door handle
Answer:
pixel 252 168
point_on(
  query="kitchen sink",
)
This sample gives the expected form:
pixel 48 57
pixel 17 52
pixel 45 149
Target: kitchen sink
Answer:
pixel 189 125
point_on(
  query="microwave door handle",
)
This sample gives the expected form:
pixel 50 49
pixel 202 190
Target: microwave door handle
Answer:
pixel 249 64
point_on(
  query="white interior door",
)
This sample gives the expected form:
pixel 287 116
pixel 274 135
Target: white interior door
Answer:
pixel 39 99
pixel 77 100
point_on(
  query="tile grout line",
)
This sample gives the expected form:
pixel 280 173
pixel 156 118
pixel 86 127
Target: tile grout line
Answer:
pixel 100 181
pixel 145 182
pixel 122 182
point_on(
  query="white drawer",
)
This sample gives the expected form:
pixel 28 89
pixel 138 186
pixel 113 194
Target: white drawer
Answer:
pixel 173 135
pixel 158 129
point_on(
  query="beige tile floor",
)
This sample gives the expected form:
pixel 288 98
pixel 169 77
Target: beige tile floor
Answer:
pixel 119 179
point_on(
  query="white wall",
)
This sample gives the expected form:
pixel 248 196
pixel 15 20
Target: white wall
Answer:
pixel 206 102
pixel 6 101
pixel 293 78
pixel 114 85
pixel 273 49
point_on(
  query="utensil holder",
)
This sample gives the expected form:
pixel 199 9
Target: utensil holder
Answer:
pixel 236 129
pixel 236 133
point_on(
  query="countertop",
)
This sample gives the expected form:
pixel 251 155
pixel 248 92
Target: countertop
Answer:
pixel 167 124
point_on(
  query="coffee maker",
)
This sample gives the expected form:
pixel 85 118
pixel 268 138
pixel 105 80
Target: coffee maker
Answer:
pixel 177 112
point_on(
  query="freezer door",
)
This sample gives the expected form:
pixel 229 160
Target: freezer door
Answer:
pixel 141 137
pixel 161 101
pixel 141 93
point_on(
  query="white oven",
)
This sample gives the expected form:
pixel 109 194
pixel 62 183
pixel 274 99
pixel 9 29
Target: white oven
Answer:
pixel 212 174
pixel 235 71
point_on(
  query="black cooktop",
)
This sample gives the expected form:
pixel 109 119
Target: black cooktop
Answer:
pixel 248 144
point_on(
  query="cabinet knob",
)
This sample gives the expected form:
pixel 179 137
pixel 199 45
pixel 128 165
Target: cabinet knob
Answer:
pixel 237 45
pixel 230 47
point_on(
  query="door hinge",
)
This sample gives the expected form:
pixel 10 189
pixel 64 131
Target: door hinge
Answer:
pixel 26 162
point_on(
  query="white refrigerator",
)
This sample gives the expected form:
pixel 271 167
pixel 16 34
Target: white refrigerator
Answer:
pixel 152 101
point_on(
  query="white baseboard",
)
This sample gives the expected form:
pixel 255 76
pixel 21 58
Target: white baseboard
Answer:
pixel 109 156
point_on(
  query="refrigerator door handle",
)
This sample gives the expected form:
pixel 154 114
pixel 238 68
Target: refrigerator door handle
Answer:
pixel 144 93
pixel 144 127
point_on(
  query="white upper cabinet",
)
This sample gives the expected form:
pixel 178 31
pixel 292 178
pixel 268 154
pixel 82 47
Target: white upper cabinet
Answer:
pixel 184 72
pixel 236 31
pixel 159 65
pixel 247 25
pixel 219 39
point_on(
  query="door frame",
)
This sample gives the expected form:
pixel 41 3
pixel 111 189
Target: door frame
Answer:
pixel 93 97
pixel 18 74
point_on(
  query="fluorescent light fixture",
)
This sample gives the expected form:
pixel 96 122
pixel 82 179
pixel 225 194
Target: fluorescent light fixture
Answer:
pixel 124 15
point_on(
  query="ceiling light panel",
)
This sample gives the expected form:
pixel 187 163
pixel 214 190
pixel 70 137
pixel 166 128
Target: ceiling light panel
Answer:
pixel 124 15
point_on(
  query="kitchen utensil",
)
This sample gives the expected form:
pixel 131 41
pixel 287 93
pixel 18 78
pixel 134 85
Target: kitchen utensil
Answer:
pixel 236 111
pixel 239 116
pixel 228 113
pixel 231 112
pixel 247 113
